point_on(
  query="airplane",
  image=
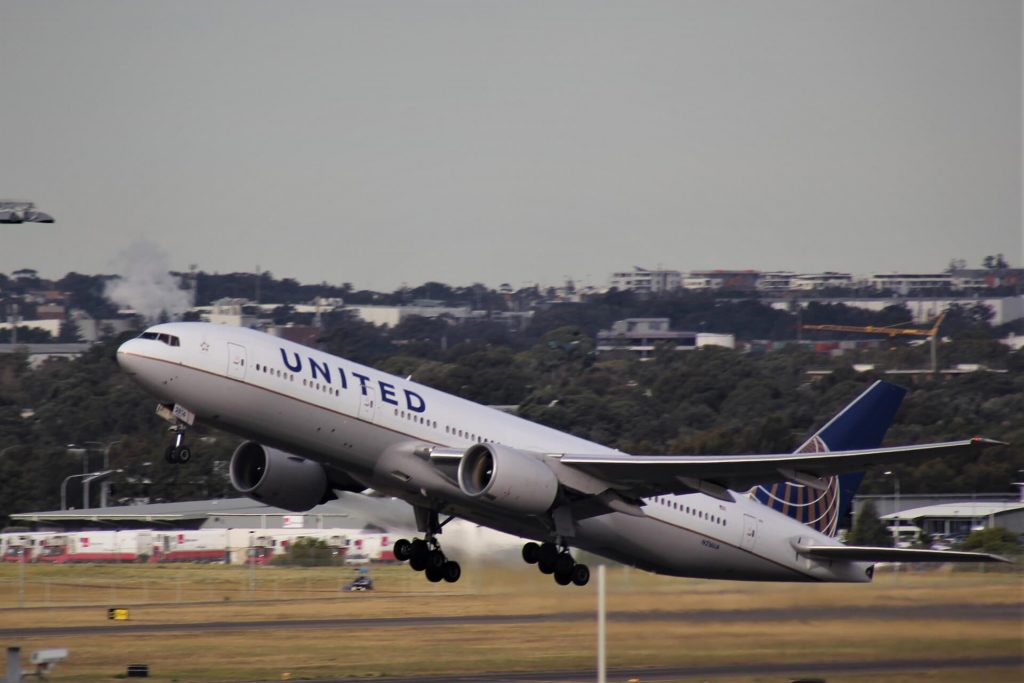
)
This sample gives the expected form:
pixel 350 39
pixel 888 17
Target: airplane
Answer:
pixel 315 424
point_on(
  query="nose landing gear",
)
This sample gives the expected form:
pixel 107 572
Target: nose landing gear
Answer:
pixel 178 453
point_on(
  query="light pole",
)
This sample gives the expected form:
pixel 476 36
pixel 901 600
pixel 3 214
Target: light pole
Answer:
pixel 896 511
pixel 83 450
pixel 89 477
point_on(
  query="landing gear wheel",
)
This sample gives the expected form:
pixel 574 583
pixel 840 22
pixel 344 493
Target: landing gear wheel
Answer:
pixel 434 574
pixel 451 571
pixel 171 455
pixel 418 548
pixel 562 579
pixel 184 455
pixel 418 562
pixel 580 574
pixel 402 549
pixel 546 567
pixel 564 565
pixel 435 558
pixel 531 553
pixel 548 554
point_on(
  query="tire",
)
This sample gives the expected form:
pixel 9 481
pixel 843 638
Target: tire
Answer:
pixel 418 562
pixel 184 455
pixel 562 579
pixel 451 571
pixel 564 564
pixel 546 567
pixel 581 574
pixel 434 574
pixel 435 558
pixel 171 455
pixel 418 548
pixel 402 549
pixel 548 553
pixel 531 553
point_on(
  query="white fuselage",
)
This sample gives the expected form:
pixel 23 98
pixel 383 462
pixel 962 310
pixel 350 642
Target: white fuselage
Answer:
pixel 377 428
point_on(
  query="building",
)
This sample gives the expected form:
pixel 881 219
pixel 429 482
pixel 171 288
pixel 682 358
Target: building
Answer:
pixel 910 283
pixel 641 336
pixel 776 281
pixel 812 281
pixel 236 312
pixel 40 353
pixel 980 279
pixel 644 281
pixel 722 279
pixel 389 316
pixel 961 518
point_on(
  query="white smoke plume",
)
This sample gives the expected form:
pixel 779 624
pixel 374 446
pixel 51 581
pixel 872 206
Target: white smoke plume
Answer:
pixel 145 284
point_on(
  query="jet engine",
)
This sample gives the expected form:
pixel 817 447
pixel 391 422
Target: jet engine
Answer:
pixel 277 478
pixel 508 478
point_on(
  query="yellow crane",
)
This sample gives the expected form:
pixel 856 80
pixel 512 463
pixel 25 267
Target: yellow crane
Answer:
pixel 892 331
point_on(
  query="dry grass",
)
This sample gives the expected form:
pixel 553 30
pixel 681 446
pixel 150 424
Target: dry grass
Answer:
pixel 62 596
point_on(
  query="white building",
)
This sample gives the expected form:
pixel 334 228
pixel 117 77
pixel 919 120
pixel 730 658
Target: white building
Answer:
pixel 644 281
pixel 908 283
pixel 236 312
pixel 776 281
pixel 389 316
pixel 812 281
pixel 641 336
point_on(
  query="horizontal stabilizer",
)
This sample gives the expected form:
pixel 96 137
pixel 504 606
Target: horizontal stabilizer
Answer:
pixel 857 553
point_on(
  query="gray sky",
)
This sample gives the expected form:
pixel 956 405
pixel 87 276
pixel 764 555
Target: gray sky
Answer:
pixel 383 143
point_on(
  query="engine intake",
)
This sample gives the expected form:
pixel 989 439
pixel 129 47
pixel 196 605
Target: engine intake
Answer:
pixel 277 478
pixel 508 478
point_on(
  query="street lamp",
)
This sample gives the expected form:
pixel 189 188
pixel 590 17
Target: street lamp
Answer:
pixel 896 512
pixel 83 450
pixel 89 477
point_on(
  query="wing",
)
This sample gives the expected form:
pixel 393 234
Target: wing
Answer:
pixel 650 475
pixel 855 553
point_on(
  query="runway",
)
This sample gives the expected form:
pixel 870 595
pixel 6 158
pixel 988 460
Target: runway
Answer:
pixel 665 673
pixel 963 612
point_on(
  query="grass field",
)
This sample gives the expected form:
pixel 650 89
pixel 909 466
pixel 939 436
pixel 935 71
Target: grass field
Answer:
pixel 665 625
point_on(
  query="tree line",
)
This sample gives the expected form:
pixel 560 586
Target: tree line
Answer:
pixel 704 401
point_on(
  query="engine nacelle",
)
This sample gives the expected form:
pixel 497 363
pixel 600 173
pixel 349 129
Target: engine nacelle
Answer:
pixel 508 478
pixel 277 478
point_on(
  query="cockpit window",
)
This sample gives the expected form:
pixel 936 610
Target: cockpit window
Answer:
pixel 168 339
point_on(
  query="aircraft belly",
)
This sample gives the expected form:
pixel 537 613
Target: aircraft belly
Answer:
pixel 665 548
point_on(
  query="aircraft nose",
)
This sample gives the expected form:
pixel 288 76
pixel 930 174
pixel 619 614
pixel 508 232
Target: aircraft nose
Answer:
pixel 128 357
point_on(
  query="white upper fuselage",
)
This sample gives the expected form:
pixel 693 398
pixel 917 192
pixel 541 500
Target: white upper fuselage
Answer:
pixel 378 429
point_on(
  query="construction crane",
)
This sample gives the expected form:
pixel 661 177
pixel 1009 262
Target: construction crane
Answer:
pixel 892 331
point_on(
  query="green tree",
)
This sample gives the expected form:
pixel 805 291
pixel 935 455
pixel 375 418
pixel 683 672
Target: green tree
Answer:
pixel 306 552
pixel 995 540
pixel 868 529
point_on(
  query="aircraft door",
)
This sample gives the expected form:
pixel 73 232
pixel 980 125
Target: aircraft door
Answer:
pixel 236 361
pixel 750 524
pixel 368 403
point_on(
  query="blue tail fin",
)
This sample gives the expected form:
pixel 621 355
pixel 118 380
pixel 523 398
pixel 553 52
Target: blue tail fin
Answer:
pixel 862 424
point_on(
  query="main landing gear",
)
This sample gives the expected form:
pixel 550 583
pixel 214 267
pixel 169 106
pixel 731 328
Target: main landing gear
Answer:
pixel 178 453
pixel 551 559
pixel 425 555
